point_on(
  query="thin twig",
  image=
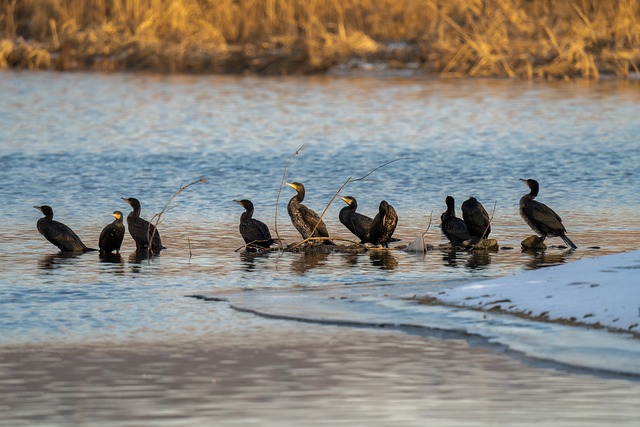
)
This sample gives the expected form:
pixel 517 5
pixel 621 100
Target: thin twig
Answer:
pixel 490 220
pixel 428 225
pixel 165 209
pixel 189 242
pixel 379 167
pixel 284 176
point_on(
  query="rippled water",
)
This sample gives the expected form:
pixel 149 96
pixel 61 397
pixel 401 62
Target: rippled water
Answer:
pixel 79 142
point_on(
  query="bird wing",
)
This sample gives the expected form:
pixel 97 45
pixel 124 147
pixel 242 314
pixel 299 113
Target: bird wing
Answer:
pixel 390 221
pixel 360 226
pixel 106 231
pixel 312 218
pixel 63 237
pixel 544 214
pixel 458 229
pixel 254 230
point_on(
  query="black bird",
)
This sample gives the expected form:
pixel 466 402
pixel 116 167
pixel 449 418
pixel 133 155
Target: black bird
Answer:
pixel 111 237
pixel 540 217
pixel 454 228
pixel 357 223
pixel 476 218
pixel 255 233
pixel 383 225
pixel 142 230
pixel 58 233
pixel 303 218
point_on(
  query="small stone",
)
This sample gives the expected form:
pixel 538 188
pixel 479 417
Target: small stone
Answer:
pixel 531 242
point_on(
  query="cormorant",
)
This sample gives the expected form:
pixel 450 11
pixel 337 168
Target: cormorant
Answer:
pixel 111 237
pixel 357 223
pixel 454 228
pixel 383 225
pixel 303 218
pixel 540 217
pixel 476 218
pixel 58 233
pixel 142 230
pixel 255 233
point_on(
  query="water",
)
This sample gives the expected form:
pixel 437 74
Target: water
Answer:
pixel 79 142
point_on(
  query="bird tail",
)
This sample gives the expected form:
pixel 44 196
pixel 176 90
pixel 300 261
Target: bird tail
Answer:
pixel 568 241
pixel 89 250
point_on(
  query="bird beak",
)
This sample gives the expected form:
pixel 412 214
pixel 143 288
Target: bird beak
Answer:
pixel 125 199
pixel 525 181
pixel 115 215
pixel 344 199
pixel 290 185
pixel 238 202
pixel 39 208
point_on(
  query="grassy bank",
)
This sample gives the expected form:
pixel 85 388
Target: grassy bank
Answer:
pixel 506 38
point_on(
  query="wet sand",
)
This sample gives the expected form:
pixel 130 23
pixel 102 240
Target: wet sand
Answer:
pixel 291 373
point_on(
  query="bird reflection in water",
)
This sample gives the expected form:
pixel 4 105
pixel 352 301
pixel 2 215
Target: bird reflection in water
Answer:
pixel 383 259
pixel 478 259
pixel 109 257
pixel 140 255
pixel 248 259
pixel 304 262
pixel 49 262
pixel 545 258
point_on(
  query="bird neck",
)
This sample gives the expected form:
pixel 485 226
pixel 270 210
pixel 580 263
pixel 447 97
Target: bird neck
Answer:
pixel 135 213
pixel 246 215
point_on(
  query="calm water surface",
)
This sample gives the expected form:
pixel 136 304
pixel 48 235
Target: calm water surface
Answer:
pixel 79 142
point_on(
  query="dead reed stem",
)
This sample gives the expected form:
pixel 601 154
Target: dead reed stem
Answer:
pixel 284 176
pixel 158 216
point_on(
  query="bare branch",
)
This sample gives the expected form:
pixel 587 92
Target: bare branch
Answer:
pixel 484 235
pixel 166 208
pixel 428 225
pixel 284 176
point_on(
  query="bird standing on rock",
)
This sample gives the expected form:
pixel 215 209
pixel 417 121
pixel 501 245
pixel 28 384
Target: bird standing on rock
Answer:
pixel 476 218
pixel 383 225
pixel 112 235
pixel 357 223
pixel 304 219
pixel 59 234
pixel 455 228
pixel 142 230
pixel 255 233
pixel 540 217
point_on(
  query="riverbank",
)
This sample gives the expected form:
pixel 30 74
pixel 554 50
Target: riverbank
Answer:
pixel 492 38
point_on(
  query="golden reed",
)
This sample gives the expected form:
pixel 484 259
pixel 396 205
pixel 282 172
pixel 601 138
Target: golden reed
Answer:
pixel 503 38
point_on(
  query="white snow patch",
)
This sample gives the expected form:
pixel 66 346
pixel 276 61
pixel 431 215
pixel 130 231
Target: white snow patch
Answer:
pixel 604 291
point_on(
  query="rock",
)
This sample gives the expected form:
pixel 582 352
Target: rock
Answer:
pixel 532 242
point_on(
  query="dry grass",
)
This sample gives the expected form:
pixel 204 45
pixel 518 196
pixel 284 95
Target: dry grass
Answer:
pixel 512 38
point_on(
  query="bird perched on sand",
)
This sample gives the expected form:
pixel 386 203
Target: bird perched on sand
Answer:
pixel 454 228
pixel 255 233
pixel 142 230
pixel 540 217
pixel 357 223
pixel 383 225
pixel 304 219
pixel 59 234
pixel 476 218
pixel 111 237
